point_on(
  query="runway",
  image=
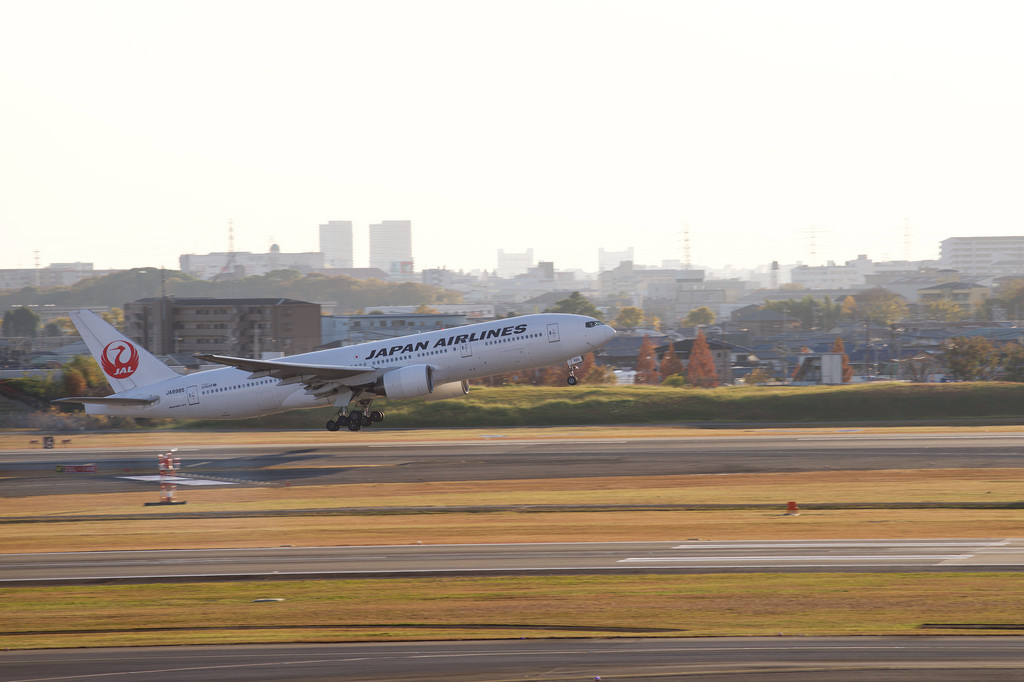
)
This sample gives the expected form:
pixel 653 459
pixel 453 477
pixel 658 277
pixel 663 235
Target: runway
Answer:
pixel 495 457
pixel 25 473
pixel 294 563
pixel 837 659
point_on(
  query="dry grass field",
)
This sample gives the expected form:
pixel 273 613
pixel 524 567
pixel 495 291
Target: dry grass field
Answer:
pixel 326 521
pixel 510 608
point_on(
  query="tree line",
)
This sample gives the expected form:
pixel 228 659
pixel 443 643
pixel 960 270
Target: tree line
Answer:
pixel 885 307
pixel 117 288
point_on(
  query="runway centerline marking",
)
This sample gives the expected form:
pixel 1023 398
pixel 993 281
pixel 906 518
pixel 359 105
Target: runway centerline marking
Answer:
pixel 802 557
pixel 509 443
pixel 917 438
pixel 878 544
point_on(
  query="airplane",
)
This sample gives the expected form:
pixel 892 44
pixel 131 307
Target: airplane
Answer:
pixel 433 365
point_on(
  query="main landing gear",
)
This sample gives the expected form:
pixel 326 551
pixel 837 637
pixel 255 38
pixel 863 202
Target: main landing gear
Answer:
pixel 355 420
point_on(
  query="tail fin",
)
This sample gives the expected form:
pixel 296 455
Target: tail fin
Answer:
pixel 125 364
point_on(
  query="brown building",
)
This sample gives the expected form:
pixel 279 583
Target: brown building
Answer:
pixel 244 327
pixel 965 294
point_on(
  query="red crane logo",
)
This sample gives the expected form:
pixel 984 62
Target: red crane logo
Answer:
pixel 119 359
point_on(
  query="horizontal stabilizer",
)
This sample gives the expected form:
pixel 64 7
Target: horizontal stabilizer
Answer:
pixel 109 400
pixel 284 370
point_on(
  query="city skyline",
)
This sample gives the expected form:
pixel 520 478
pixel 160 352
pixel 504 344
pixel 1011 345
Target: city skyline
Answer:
pixel 795 131
pixel 517 261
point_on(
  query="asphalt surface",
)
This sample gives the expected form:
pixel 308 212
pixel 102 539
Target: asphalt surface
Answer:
pixel 796 659
pixel 292 563
pixel 36 472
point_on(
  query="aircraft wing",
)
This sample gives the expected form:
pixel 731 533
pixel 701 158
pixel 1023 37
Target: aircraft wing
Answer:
pixel 286 370
pixel 109 400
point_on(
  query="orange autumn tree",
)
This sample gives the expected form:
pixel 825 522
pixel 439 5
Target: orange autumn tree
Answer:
pixel 555 375
pixel 670 363
pixel 700 371
pixel 646 363
pixel 838 347
pixel 586 367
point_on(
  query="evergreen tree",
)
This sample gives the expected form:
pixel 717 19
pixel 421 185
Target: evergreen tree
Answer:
pixel 700 371
pixel 577 304
pixel 20 322
pixel 629 317
pixel 670 363
pixel 699 316
pixel 881 306
pixel 646 370
pixel 813 314
pixel 1011 357
pixel 972 358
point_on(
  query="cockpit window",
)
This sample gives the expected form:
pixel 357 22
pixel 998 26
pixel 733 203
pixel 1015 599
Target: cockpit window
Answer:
pixel 592 323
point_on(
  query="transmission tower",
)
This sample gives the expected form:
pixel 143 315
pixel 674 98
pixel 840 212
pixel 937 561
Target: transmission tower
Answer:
pixel 230 260
pixel 687 261
pixel 812 241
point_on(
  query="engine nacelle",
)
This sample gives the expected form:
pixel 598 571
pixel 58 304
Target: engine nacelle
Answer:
pixel 417 381
pixel 412 381
pixel 453 389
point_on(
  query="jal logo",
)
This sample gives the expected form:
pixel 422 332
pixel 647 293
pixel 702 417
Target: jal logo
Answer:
pixel 120 359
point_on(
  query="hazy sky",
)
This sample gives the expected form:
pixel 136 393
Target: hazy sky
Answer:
pixel 134 131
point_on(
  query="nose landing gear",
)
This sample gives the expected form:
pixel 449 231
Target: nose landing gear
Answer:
pixel 574 364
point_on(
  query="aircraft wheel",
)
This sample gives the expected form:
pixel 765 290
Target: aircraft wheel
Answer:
pixel 572 381
pixel 333 425
pixel 376 416
pixel 355 424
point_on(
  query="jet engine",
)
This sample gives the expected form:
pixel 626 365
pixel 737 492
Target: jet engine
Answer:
pixel 411 381
pixel 453 389
pixel 416 381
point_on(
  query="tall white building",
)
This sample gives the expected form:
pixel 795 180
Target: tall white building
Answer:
pixel 512 264
pixel 391 247
pixel 983 256
pixel 336 243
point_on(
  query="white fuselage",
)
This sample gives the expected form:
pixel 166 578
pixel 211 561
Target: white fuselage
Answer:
pixel 456 354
